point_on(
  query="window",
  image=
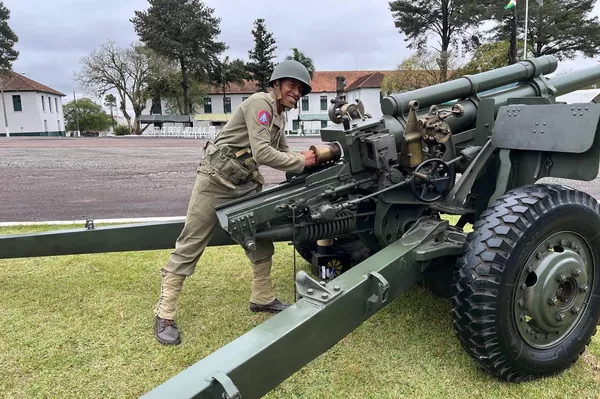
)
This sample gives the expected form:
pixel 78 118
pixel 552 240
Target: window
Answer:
pixel 208 105
pixel 45 125
pixel 323 124
pixel 227 104
pixel 305 103
pixel 43 105
pixel 323 103
pixel 295 124
pixel 244 99
pixel 50 104
pixel 17 106
pixel 58 123
pixel 56 105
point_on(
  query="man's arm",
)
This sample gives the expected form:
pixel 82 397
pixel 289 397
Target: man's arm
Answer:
pixel 258 121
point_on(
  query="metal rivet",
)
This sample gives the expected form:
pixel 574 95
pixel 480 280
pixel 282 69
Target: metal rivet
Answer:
pixel 542 132
pixel 586 108
pixel 534 131
pixel 324 296
pixel 537 123
pixel 574 114
pixel 575 310
pixel 578 108
pixel 336 287
pixel 572 108
pixel 544 123
pixel 310 291
pixel 581 114
pixel 323 283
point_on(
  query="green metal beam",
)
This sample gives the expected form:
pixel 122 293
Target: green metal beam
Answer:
pixel 261 359
pixel 121 238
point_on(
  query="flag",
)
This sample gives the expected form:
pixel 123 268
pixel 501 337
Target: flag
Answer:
pixel 510 4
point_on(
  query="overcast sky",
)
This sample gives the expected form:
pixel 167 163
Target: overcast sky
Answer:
pixel 337 35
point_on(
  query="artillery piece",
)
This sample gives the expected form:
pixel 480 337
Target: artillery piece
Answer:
pixel 524 285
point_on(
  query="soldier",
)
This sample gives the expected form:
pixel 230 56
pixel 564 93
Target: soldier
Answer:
pixel 229 169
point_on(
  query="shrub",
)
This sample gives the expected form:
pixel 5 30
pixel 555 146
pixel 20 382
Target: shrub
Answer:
pixel 121 130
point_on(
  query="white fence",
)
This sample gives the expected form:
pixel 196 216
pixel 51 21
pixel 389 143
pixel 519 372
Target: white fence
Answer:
pixel 207 133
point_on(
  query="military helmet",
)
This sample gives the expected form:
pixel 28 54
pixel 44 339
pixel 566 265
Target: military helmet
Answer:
pixel 292 69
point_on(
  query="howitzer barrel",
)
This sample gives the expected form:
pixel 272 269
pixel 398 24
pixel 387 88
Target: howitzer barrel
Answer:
pixel 542 87
pixel 398 104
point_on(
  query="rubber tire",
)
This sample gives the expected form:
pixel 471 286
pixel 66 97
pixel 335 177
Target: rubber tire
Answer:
pixel 483 308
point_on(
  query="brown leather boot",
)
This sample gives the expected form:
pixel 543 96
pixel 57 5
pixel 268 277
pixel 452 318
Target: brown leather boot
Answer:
pixel 166 331
pixel 273 307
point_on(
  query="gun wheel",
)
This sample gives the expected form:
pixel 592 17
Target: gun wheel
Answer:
pixel 523 303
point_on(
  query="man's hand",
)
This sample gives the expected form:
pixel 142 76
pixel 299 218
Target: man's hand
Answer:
pixel 309 158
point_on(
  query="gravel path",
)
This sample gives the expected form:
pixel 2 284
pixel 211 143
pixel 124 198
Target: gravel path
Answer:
pixel 43 179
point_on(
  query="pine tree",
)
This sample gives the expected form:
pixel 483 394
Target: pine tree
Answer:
pixel 8 38
pixel 261 65
pixel 185 31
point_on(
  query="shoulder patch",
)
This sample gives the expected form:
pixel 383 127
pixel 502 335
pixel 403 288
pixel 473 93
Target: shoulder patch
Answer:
pixel 264 117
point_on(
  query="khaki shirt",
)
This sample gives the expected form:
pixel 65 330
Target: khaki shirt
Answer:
pixel 255 124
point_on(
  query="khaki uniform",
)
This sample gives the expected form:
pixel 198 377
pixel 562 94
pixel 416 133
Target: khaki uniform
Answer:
pixel 221 177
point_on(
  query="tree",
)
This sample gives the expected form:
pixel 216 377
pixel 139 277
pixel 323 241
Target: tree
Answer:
pixel 8 38
pixel 184 31
pixel 111 102
pixel 419 70
pixel 563 28
pixel 122 69
pixel 228 72
pixel 453 22
pixel 487 57
pixel 261 57
pixel 164 83
pixel 91 115
pixel 299 56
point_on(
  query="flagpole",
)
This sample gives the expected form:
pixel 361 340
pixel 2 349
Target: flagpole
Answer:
pixel 526 20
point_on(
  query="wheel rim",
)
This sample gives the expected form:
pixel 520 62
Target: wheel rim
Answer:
pixel 553 289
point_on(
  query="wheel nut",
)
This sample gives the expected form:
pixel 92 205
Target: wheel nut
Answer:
pixel 560 316
pixel 521 302
pixel 575 310
pixel 540 255
pixel 563 243
pixel 522 317
pixel 552 301
pixel 561 278
pixel 583 288
pixel 576 272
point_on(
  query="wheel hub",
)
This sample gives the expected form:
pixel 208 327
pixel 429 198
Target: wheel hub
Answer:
pixel 553 289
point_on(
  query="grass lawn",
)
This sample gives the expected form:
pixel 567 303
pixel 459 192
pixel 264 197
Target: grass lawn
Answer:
pixel 81 327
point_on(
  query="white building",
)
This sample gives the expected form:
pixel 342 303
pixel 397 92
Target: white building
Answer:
pixel 31 108
pixel 312 112
pixel 310 116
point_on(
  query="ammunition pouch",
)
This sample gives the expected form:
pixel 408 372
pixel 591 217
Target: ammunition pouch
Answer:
pixel 238 169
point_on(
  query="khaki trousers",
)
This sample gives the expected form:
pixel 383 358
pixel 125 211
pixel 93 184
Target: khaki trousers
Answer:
pixel 199 227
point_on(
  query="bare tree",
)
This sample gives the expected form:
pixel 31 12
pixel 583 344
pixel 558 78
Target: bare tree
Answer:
pixel 124 70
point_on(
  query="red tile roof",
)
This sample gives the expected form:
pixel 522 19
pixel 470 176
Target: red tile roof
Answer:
pixel 322 81
pixel 13 81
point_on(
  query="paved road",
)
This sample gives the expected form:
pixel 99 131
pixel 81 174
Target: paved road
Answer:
pixel 44 179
